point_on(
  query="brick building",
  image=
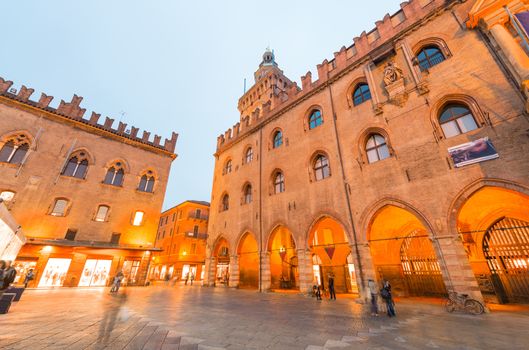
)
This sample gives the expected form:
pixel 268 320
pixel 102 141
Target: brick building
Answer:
pixel 181 237
pixel 406 160
pixel 87 194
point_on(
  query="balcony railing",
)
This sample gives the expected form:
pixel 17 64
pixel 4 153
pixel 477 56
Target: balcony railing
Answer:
pixel 197 217
pixel 197 235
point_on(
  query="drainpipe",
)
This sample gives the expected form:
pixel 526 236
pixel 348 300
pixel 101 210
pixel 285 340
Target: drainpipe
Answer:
pixel 348 200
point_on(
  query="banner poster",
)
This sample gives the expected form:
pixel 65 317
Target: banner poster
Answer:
pixel 473 152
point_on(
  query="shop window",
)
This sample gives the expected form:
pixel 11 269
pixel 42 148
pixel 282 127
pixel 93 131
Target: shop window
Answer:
pixel 77 166
pixel 376 148
pixel 59 207
pixel 95 273
pixel 147 182
pixel 70 234
pixel 315 119
pixel 54 273
pixel 361 94
pixel 137 218
pixel 102 212
pixel 456 119
pixel 115 175
pixel 429 56
pixel 321 168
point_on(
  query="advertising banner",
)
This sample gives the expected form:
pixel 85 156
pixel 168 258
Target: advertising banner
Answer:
pixel 473 152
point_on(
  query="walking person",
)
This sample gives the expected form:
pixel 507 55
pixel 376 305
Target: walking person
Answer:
pixel 9 274
pixel 187 278
pixel 373 289
pixel 192 278
pixel 116 283
pixel 30 276
pixel 332 293
pixel 2 270
pixel 385 293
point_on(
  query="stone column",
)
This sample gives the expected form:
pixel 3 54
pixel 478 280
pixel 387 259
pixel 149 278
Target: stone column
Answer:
pixel 306 276
pixel 234 271
pixel 512 50
pixel 266 276
pixel 209 275
pixel 364 269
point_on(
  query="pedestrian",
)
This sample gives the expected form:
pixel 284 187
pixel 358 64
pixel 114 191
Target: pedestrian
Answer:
pixel 187 278
pixel 116 283
pixel 30 276
pixel 332 293
pixel 167 278
pixel 2 270
pixel 385 293
pixel 192 278
pixel 373 289
pixel 9 274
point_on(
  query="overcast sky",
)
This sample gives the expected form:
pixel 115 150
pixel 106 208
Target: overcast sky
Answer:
pixel 165 65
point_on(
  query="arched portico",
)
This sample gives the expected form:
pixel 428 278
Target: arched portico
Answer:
pixel 283 259
pixel 221 255
pixel 248 253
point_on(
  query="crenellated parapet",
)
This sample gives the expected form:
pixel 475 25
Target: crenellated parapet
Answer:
pixel 72 110
pixel 366 46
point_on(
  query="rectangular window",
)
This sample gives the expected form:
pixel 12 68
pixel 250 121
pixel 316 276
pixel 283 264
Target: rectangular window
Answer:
pixel 198 212
pixel 174 217
pixel 102 212
pixel 70 234
pixel 115 238
pixel 138 218
pixel 195 230
pixel 59 208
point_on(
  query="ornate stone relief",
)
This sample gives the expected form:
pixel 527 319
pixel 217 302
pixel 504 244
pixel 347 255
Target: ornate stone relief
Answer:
pixel 394 82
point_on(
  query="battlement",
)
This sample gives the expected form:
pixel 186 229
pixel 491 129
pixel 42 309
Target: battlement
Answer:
pixel 367 43
pixel 73 111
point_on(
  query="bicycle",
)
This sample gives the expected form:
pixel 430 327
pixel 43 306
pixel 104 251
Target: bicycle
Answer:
pixel 458 301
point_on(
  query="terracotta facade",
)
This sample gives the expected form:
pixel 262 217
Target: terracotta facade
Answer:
pixel 365 172
pixel 87 194
pixel 181 239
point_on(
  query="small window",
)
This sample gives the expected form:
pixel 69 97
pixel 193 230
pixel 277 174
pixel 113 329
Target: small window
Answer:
pixel 14 150
pixel 279 183
pixel 248 157
pixel 278 139
pixel 137 219
pixel 227 167
pixel 7 196
pixel 195 230
pixel 429 56
pixel 77 166
pixel 376 148
pixel 456 119
pixel 147 182
pixel 315 119
pixel 102 212
pixel 321 168
pixel 225 205
pixel 248 194
pixel 198 213
pixel 114 175
pixel 361 94
pixel 70 234
pixel 115 238
pixel 59 207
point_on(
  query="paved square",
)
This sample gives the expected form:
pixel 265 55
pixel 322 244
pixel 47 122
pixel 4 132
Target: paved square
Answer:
pixel 181 317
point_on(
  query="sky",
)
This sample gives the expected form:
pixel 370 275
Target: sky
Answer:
pixel 171 65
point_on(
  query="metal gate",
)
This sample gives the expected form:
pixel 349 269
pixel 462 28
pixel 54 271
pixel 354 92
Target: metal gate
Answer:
pixel 421 269
pixel 506 248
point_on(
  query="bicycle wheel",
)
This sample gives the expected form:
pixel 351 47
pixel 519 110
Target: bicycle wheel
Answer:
pixel 450 306
pixel 474 307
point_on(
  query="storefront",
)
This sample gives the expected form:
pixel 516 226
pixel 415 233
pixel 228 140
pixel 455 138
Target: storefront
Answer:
pixel 63 265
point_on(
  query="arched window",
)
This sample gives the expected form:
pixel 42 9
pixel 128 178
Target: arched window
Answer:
pixel 147 182
pixel 115 175
pixel 247 194
pixel 227 167
pixel 376 148
pixel 361 94
pixel 102 212
pixel 315 119
pixel 137 218
pixel 456 119
pixel 279 182
pixel 248 157
pixel 7 196
pixel 59 207
pixel 225 203
pixel 14 150
pixel 77 166
pixel 278 139
pixel 429 56
pixel 321 167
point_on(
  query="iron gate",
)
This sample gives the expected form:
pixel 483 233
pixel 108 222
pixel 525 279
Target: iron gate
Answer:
pixel 506 248
pixel 421 269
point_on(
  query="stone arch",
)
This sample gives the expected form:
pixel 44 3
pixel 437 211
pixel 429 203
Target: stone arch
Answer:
pixel 334 216
pixel 248 260
pixel 272 230
pixel 282 251
pixel 87 154
pixel 12 134
pixel 474 107
pixel 124 164
pixel 218 243
pixel 432 41
pixel 352 87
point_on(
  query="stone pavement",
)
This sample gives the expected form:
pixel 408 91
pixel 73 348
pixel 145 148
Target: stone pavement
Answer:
pixel 181 317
